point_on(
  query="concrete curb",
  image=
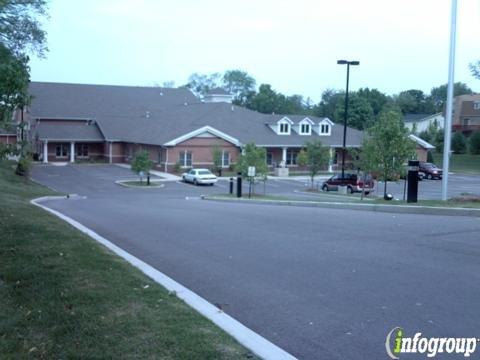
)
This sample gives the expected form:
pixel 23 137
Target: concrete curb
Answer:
pixel 245 336
pixel 399 209
pixel 158 184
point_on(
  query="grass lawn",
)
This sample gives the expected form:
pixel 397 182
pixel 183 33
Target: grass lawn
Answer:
pixel 461 163
pixel 62 295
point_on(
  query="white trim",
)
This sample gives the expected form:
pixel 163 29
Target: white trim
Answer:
pixel 45 151
pixel 201 130
pixel 229 158
pixel 307 119
pixel 245 336
pixel 421 142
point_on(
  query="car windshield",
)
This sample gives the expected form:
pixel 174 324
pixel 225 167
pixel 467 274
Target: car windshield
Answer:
pixel 204 172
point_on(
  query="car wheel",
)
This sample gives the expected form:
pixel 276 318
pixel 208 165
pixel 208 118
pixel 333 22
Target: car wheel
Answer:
pixel 183 179
pixel 367 192
pixel 429 176
pixel 195 182
pixel 350 190
pixel 325 187
pixel 211 184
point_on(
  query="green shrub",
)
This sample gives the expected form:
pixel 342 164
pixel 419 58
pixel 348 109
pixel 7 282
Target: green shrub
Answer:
pixel 459 143
pixel 177 167
pixel 24 166
pixel 474 143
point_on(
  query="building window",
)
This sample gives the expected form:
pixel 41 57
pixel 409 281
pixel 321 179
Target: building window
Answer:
pixel 466 122
pixel 185 159
pixel 61 150
pixel 269 159
pixel 284 128
pixel 292 157
pixel 476 105
pixel 225 159
pixel 305 129
pixel 324 129
pixel 81 150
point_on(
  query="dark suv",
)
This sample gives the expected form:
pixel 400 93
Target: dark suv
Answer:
pixel 353 182
pixel 430 170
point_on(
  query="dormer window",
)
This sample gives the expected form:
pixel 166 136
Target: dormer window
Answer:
pixel 305 129
pixel 284 128
pixel 325 127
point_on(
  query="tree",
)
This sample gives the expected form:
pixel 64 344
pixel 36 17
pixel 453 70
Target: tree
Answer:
pixel 253 156
pixel 475 69
pixel 474 143
pixel 142 164
pixel 20 30
pixel 20 34
pixel 265 101
pixel 375 98
pixel 459 143
pixel 217 158
pixel 360 113
pixel 239 84
pixel 387 146
pixel 331 99
pixel 413 102
pixel 438 95
pixel 201 84
pixel 315 156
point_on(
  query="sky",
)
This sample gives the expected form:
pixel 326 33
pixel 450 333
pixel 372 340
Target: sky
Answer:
pixel 292 45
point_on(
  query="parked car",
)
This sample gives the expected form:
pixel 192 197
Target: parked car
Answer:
pixel 430 170
pixel 199 176
pixel 353 182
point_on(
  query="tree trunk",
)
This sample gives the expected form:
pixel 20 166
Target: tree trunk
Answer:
pixel 385 188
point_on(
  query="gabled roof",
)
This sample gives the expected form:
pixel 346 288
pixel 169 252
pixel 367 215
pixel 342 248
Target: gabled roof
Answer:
pixel 120 114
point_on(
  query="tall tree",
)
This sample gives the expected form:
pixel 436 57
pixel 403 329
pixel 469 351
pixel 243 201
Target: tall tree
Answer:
pixel 438 95
pixel 360 112
pixel 475 69
pixel 375 98
pixel 265 101
pixel 327 106
pixel 201 84
pixel 239 84
pixel 20 34
pixel 413 102
pixel 387 146
pixel 20 29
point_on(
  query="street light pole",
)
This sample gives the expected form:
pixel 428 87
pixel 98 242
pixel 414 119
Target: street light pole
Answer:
pixel 344 150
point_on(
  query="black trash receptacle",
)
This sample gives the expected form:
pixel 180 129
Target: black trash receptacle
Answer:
pixel 412 190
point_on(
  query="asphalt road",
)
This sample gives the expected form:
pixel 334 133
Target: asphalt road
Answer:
pixel 320 283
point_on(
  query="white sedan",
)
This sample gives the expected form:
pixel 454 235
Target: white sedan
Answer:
pixel 199 176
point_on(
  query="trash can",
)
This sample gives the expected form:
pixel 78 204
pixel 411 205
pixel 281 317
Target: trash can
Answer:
pixel 412 178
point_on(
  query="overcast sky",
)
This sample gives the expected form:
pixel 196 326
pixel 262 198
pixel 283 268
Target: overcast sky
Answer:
pixel 292 45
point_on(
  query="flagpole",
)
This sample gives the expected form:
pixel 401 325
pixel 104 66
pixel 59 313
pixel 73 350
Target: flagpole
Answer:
pixel 448 115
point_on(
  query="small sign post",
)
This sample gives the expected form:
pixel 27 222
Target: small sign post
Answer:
pixel 251 177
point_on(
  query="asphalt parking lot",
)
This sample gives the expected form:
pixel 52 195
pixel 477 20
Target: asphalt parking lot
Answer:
pixel 320 283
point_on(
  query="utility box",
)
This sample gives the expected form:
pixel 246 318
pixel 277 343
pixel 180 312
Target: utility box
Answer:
pixel 412 178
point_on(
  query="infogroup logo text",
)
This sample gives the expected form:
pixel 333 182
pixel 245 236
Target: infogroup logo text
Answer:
pixel 397 343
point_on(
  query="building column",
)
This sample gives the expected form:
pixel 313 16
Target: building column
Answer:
pixel 72 151
pixel 166 160
pixel 45 151
pixel 284 157
pixel 330 160
pixel 110 152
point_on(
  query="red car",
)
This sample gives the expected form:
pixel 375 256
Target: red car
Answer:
pixel 353 182
pixel 430 170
